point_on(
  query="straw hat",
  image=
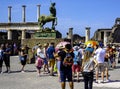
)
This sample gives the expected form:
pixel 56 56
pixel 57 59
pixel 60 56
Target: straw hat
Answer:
pixel 23 48
pixel 113 47
pixel 39 45
pixel 45 45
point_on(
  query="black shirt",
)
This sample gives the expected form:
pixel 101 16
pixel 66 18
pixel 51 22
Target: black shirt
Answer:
pixel 62 54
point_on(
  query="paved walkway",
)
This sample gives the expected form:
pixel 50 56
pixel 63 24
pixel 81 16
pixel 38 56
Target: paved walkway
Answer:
pixel 30 80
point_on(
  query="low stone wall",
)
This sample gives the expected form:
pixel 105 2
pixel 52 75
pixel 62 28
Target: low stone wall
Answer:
pixel 32 42
pixel 10 41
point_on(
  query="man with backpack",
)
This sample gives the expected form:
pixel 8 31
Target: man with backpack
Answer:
pixel 67 56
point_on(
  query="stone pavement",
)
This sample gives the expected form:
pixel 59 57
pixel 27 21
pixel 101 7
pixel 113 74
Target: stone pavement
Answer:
pixel 30 80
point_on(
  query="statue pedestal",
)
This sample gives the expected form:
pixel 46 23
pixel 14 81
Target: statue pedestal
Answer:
pixel 45 35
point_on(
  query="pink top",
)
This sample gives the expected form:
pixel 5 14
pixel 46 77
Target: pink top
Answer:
pixel 39 62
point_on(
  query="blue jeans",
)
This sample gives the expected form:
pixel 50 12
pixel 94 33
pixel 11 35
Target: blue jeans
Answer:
pixel 88 80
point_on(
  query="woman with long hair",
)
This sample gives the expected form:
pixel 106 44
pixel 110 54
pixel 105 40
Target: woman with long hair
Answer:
pixel 88 65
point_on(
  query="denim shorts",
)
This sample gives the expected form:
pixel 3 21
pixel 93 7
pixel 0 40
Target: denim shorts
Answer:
pixel 66 74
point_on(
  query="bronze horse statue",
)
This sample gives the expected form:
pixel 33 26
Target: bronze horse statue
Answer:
pixel 42 20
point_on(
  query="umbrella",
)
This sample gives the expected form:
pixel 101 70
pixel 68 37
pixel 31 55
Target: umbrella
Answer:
pixel 92 42
pixel 61 44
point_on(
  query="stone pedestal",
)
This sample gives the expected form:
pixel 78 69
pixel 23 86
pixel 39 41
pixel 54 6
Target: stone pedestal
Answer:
pixel 47 34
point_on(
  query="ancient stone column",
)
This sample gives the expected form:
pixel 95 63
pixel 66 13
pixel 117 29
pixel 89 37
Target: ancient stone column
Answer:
pixel 105 38
pixel 99 36
pixel 9 14
pixel 70 35
pixel 87 35
pixel 23 34
pixel 23 13
pixel 9 34
pixel 38 11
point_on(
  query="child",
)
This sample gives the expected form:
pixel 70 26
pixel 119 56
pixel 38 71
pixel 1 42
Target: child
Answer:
pixel 38 64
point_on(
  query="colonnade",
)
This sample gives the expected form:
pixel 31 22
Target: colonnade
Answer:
pixel 9 31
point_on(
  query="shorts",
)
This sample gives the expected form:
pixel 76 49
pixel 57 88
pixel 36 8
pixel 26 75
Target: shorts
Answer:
pixel 106 64
pixel 38 67
pixel 51 62
pixel 23 62
pixel 100 67
pixel 112 60
pixel 7 61
pixel 66 74
pixel 45 61
pixel 75 68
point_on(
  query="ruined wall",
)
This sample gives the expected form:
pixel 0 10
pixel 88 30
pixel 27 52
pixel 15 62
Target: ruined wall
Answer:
pixel 116 35
pixel 33 42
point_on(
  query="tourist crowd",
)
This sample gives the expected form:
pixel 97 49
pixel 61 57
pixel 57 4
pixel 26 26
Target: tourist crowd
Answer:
pixel 66 60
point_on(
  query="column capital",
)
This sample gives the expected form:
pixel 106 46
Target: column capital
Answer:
pixel 87 28
pixel 9 6
pixel 23 5
pixel 87 33
pixel 71 28
pixel 39 5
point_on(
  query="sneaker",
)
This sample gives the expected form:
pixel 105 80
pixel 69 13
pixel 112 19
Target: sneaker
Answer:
pixel 39 75
pixel 52 75
pixel 108 80
pixel 48 71
pixel 102 81
pixel 1 72
pixel 23 71
pixel 8 71
pixel 96 81
pixel 78 81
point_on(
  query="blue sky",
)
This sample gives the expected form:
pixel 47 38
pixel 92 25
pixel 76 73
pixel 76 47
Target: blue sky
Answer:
pixel 70 13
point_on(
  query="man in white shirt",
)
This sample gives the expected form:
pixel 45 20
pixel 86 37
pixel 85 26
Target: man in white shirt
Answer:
pixel 40 51
pixel 100 57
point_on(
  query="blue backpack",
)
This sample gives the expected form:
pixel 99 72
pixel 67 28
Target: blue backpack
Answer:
pixel 77 57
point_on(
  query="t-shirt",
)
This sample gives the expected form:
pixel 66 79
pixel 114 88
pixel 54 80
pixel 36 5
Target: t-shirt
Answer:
pixel 62 54
pixel 40 53
pixel 39 62
pixel 88 66
pixel 23 57
pixel 8 52
pixel 50 52
pixel 77 57
pixel 100 55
